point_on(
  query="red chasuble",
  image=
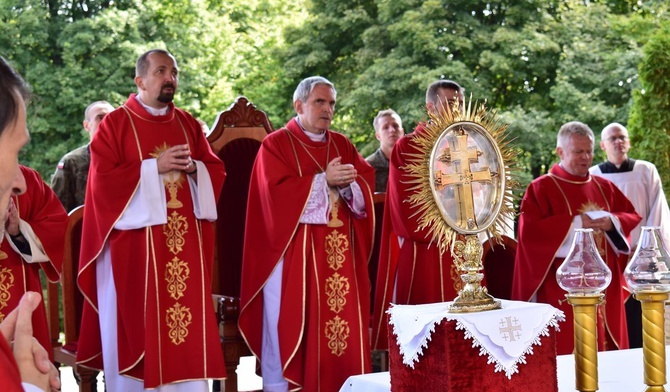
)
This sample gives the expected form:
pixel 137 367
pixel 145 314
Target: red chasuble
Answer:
pixel 547 211
pixel 417 272
pixel 10 379
pixel 324 312
pixel 167 331
pixel 39 207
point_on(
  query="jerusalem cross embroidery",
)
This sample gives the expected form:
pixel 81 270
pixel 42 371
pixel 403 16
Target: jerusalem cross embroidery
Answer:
pixel 510 329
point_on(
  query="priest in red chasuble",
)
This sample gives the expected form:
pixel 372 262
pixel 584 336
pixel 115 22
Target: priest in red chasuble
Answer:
pixel 305 289
pixel 147 245
pixel 34 237
pixel 566 198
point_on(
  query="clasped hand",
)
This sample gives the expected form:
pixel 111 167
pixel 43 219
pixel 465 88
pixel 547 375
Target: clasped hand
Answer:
pixel 175 158
pixel 340 175
pixel 605 223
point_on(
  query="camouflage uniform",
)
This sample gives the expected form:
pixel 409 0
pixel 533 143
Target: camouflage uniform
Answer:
pixel 381 165
pixel 69 180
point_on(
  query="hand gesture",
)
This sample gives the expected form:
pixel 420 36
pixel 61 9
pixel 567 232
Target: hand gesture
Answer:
pixel 175 158
pixel 604 224
pixel 12 219
pixel 33 361
pixel 338 174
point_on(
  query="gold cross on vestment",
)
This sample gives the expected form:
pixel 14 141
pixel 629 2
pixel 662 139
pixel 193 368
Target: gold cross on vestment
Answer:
pixel 462 177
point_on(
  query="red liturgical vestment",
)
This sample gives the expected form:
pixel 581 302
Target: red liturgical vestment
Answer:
pixel 166 326
pixel 548 210
pixel 42 211
pixel 324 310
pixel 417 272
pixel 10 379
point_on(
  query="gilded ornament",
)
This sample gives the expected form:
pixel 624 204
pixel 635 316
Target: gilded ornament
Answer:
pixel 337 288
pixel 175 229
pixel 178 318
pixel 176 273
pixel 336 244
pixel 337 332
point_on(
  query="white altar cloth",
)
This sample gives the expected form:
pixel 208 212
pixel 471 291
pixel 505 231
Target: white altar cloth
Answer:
pixel 504 335
pixel 618 371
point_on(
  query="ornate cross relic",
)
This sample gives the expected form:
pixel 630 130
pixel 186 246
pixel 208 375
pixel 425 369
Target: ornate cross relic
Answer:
pixel 462 177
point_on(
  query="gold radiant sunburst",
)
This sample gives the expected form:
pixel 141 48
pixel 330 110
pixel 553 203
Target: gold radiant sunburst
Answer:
pixel 418 169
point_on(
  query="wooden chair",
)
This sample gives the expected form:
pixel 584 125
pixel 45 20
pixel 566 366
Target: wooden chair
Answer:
pixel 236 137
pixel 72 301
pixel 499 267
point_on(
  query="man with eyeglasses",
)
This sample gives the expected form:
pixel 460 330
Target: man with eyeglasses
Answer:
pixel 640 182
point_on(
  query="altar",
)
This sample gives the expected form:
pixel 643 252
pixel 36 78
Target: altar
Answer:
pixel 618 371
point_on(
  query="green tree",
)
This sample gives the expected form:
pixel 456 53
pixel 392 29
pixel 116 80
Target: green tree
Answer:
pixel 649 123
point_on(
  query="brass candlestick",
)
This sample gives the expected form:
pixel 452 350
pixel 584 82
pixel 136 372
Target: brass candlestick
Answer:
pixel 585 313
pixel 653 338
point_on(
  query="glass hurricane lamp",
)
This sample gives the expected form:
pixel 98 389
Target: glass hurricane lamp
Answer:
pixel 583 271
pixel 649 268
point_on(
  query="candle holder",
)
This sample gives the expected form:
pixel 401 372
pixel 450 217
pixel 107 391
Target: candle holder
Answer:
pixel 584 275
pixel 648 275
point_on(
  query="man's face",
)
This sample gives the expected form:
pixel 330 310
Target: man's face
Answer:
pixel 95 116
pixel 12 140
pixel 445 95
pixel 615 143
pixel 577 155
pixel 388 131
pixel 158 87
pixel 316 113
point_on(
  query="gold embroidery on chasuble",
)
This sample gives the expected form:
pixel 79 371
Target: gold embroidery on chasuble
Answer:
pixel 337 287
pixel 6 282
pixel 176 273
pixel 337 332
pixel 174 230
pixel 336 245
pixel 173 179
pixel 333 198
pixel 178 319
pixel 598 235
pixel 3 255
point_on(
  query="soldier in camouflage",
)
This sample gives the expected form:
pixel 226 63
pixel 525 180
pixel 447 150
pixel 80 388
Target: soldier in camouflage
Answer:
pixel 69 180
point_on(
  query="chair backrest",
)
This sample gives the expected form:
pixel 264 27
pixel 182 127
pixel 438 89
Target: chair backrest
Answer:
pixel 236 137
pixel 499 267
pixel 71 298
pixel 378 199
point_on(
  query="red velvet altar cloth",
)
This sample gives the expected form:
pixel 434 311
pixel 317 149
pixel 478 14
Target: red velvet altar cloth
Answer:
pixel 450 363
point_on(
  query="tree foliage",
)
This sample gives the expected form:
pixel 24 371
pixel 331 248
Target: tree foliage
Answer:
pixel 539 63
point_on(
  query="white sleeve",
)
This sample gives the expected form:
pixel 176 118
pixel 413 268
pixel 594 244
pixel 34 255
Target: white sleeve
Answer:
pixel 202 193
pixel 38 254
pixel 318 205
pixel 148 206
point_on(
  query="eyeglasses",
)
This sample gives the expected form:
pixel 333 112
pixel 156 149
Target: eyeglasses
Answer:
pixel 615 138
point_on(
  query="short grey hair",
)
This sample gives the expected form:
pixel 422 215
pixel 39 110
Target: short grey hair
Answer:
pixel 307 85
pixel 386 113
pixel 573 128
